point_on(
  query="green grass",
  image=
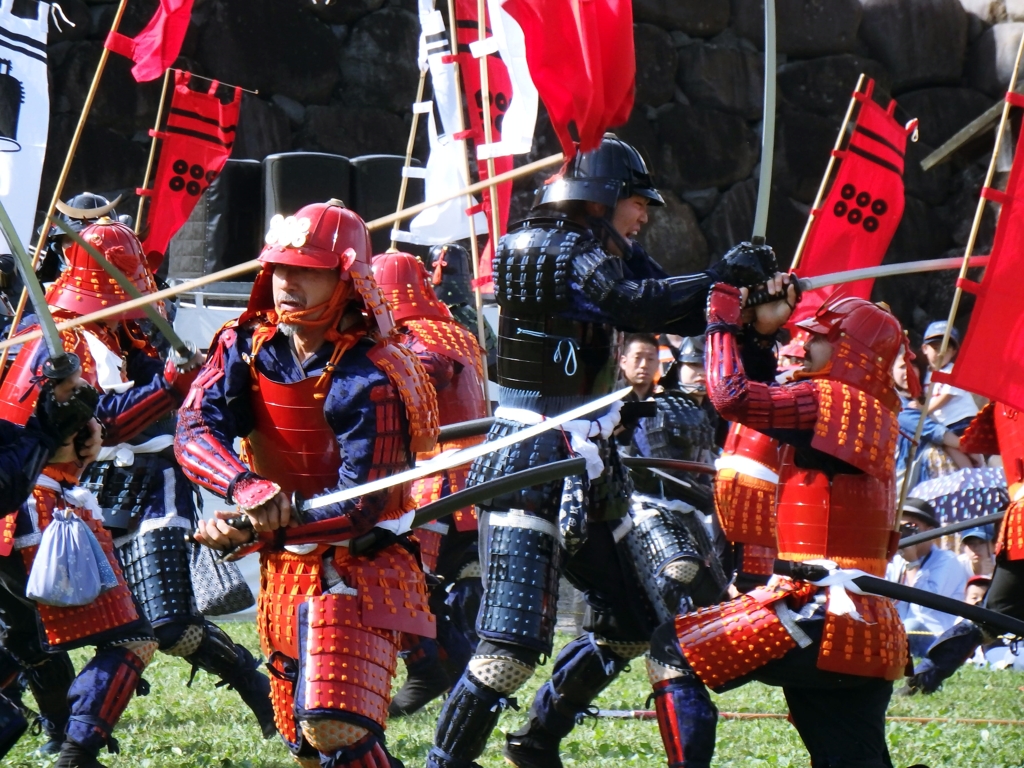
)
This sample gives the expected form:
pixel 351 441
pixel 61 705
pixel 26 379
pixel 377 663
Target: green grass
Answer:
pixel 208 726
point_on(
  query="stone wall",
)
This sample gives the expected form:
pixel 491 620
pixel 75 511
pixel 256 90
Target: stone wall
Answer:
pixel 340 77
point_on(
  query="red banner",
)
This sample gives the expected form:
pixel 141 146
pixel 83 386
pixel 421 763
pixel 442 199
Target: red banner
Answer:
pixel 991 359
pixel 858 218
pixel 156 47
pixel 194 145
pixel 581 58
pixel 499 85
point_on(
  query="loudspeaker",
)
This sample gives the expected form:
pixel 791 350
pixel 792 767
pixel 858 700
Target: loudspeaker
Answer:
pixel 375 183
pixel 226 226
pixel 294 179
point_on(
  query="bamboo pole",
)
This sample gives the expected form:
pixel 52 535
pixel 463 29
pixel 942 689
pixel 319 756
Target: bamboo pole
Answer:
pixel 958 293
pixel 64 171
pixel 485 105
pixel 404 186
pixel 254 264
pixel 798 255
pixel 152 150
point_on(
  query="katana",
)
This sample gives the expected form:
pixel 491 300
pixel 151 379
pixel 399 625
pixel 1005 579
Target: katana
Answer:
pixel 883 588
pixel 435 510
pixel 887 270
pixel 181 349
pixel 764 182
pixel 643 462
pixel 460 457
pixel 464 429
pixel 61 364
pixel 938 533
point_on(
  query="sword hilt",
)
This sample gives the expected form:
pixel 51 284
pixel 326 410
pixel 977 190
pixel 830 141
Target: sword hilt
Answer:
pixel 59 367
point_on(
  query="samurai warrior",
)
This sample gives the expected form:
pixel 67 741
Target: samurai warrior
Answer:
pixel 93 701
pixel 325 399
pixel 565 279
pixel 448 549
pixel 147 503
pixel 834 654
pixel 61 412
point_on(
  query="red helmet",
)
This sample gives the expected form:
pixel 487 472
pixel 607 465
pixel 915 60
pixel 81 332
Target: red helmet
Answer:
pixel 321 236
pixel 406 285
pixel 866 340
pixel 85 287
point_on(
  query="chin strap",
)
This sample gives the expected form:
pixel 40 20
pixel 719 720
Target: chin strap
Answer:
pixel 602 227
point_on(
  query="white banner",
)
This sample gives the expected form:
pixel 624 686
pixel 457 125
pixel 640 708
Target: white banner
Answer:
pixel 24 114
pixel 520 120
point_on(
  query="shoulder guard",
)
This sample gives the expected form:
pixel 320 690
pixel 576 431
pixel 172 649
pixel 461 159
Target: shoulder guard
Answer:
pixel 407 375
pixel 448 339
pixel 598 271
pixel 686 426
pixel 855 427
pixel 20 389
pixel 980 435
pixel 532 263
pixel 1009 426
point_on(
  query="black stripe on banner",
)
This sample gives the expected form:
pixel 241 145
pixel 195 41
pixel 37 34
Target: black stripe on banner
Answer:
pixel 437 38
pixel 23 39
pixel 875 159
pixel 879 138
pixel 199 135
pixel 201 118
pixel 31 54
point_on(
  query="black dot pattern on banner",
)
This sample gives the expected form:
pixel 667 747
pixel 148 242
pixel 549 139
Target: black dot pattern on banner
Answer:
pixel 854 207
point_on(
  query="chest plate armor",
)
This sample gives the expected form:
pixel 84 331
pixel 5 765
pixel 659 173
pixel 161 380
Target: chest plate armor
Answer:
pixel 291 442
pixel 547 361
pixel 851 518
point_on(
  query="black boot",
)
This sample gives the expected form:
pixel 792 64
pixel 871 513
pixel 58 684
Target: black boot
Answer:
pixel 50 683
pixel 427 679
pixel 237 668
pixel 582 670
pixel 73 755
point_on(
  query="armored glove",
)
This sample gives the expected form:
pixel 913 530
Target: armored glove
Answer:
pixel 62 421
pixel 747 265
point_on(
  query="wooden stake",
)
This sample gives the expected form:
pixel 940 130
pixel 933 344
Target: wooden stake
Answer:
pixel 152 150
pixel 59 189
pixel 828 172
pixel 254 264
pixel 958 293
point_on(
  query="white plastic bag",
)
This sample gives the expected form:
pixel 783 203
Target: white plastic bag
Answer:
pixel 70 568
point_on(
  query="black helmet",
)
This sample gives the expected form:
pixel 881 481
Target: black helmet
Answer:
pixel 84 209
pixel 612 172
pixel 453 273
pixel 691 350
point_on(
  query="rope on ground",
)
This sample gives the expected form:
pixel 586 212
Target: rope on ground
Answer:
pixel 650 714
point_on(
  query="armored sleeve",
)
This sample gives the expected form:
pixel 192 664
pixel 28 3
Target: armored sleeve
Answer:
pixel 213 415
pixel 735 395
pixel 670 305
pixel 25 452
pixel 124 415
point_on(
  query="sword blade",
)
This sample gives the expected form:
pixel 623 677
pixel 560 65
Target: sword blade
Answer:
pixel 128 287
pixel 963 525
pixel 764 182
pixel 61 363
pixel 465 455
pixel 888 270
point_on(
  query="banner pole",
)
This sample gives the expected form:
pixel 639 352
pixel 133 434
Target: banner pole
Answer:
pixel 404 186
pixel 64 171
pixel 968 251
pixel 152 150
pixel 798 255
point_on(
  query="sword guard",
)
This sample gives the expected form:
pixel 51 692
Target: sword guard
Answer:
pixel 185 363
pixel 61 367
pixel 298 504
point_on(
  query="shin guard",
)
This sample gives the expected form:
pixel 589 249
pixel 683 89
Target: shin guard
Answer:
pixel 368 752
pixel 100 694
pixel 945 656
pixel 582 670
pixel 50 683
pixel 687 719
pixel 465 724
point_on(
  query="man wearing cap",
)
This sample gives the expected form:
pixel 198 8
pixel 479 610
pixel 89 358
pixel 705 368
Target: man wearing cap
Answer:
pixel 951 406
pixel 566 279
pixel 976 553
pixel 324 399
pixel 925 566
